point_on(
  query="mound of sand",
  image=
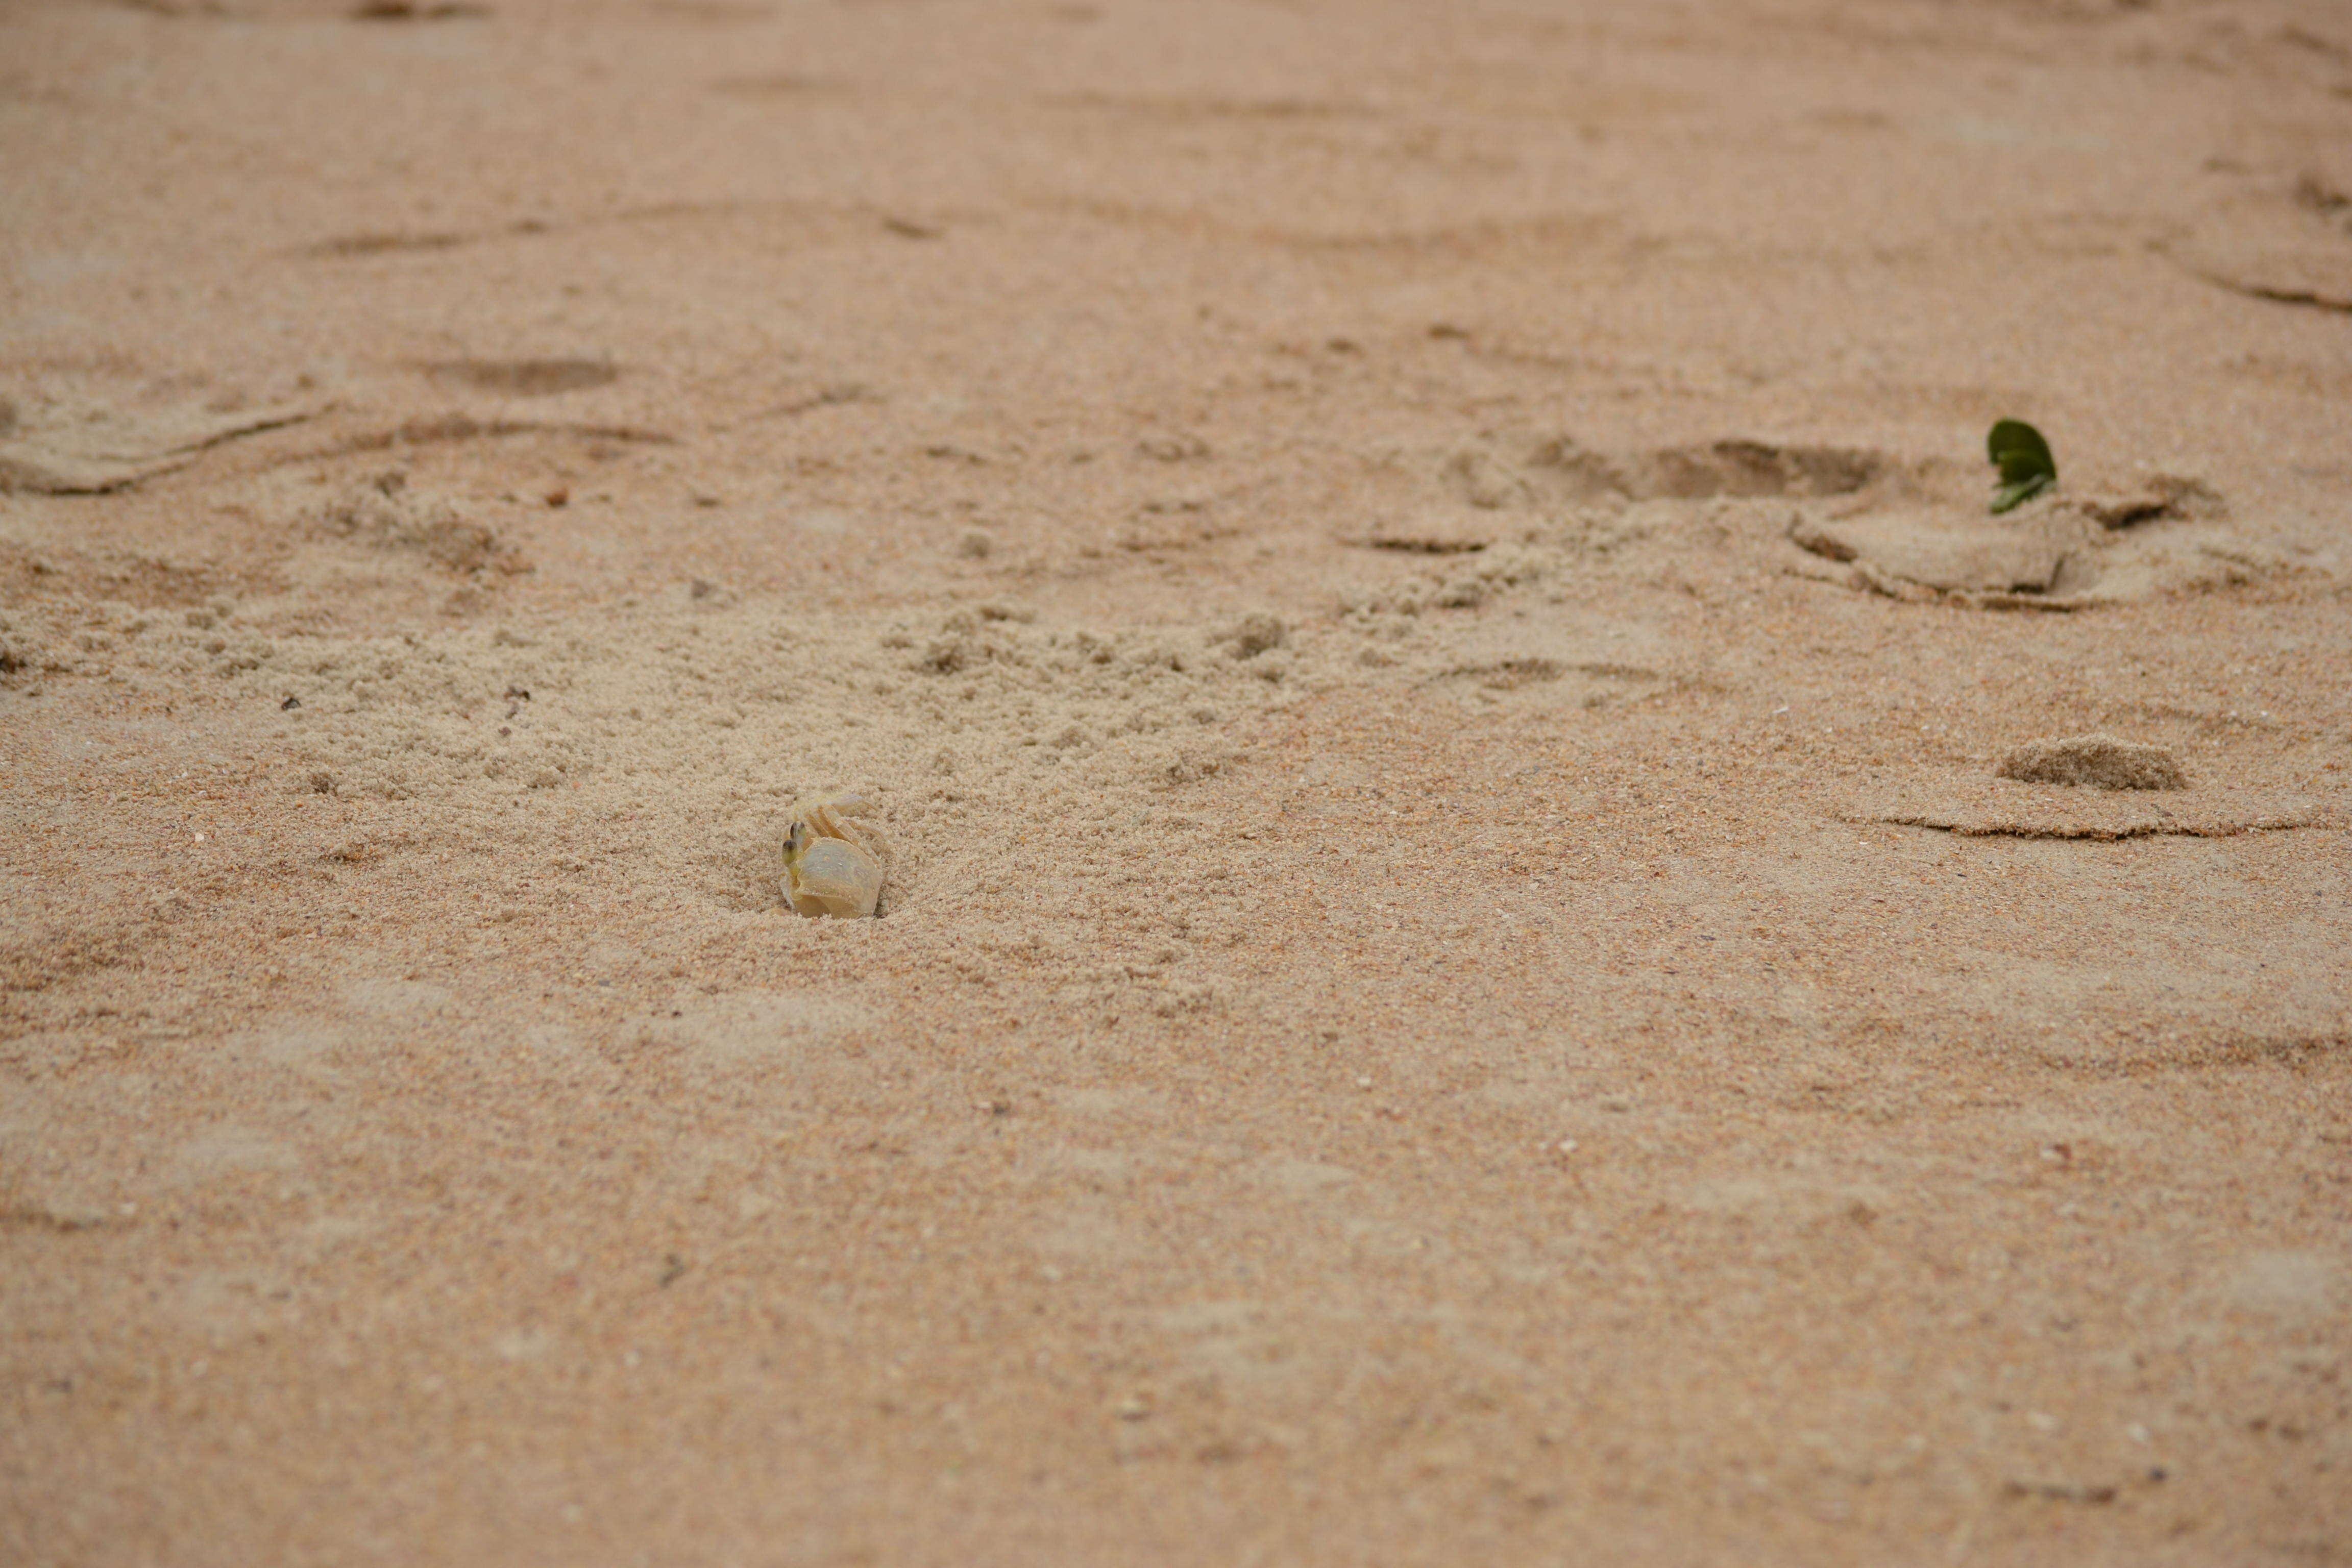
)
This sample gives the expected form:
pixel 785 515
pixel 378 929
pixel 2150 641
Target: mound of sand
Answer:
pixel 2103 761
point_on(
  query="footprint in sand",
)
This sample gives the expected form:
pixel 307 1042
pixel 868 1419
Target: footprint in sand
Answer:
pixel 525 377
pixel 2286 241
pixel 1488 491
pixel 2060 552
pixel 1910 529
pixel 2081 786
pixel 92 446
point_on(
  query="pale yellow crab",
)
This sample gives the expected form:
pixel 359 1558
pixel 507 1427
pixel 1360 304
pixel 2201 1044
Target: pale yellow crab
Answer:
pixel 833 860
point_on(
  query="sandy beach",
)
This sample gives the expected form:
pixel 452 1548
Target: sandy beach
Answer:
pixel 1485 955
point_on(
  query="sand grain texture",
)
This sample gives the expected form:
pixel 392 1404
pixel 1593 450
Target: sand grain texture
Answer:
pixel 1412 590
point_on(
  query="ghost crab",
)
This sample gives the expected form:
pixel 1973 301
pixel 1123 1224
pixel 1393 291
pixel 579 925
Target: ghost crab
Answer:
pixel 833 860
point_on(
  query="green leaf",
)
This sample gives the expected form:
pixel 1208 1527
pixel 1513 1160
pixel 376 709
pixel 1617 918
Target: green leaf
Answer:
pixel 2023 456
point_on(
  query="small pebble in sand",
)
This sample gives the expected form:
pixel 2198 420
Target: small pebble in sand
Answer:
pixel 2103 761
pixel 832 859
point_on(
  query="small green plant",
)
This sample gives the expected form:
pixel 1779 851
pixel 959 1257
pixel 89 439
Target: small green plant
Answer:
pixel 2024 458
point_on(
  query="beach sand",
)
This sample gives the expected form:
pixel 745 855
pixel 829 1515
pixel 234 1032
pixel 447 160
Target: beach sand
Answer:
pixel 1411 589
